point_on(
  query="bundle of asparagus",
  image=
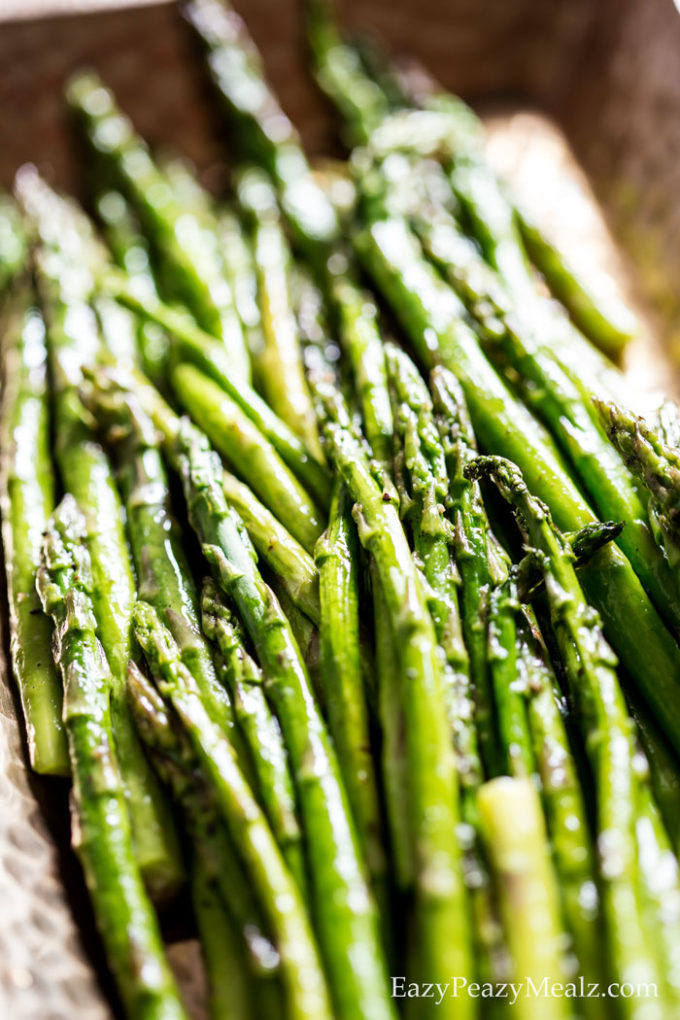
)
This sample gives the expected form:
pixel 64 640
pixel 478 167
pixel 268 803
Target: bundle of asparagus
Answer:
pixel 410 751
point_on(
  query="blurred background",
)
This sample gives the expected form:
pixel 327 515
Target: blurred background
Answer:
pixel 606 70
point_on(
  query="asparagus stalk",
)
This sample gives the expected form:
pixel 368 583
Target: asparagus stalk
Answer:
pixel 394 760
pixel 200 348
pixel 362 342
pixel 240 271
pixel 248 452
pixel 564 806
pixel 305 987
pixel 661 888
pixel 664 772
pixel 102 837
pixel 281 371
pixel 344 913
pixel 428 484
pixel 443 927
pixel 600 315
pixel 477 555
pixel 590 667
pixel 236 70
pixel 230 996
pixel 280 551
pixel 431 314
pixel 657 466
pixel 445 130
pixel 339 72
pixel 212 848
pixel 508 683
pixel 550 391
pixel 65 281
pixel 516 841
pixel 336 556
pixel 131 252
pixel 26 501
pixel 188 246
pixel 164 577
pixel 244 680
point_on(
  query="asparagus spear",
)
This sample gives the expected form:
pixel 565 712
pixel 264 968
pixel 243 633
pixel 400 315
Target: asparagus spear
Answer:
pixel 507 681
pixel 516 841
pixel 441 132
pixel 664 772
pixel 264 133
pixel 661 888
pixel 163 574
pixel 248 452
pixel 65 281
pixel 230 996
pixel 131 252
pixel 601 315
pixel 339 73
pixel 244 680
pixel 590 667
pixel 305 987
pixel 188 246
pixel 336 556
pixel 443 927
pixel 550 391
pixel 394 761
pixel 657 466
pixel 428 484
pixel 362 342
pixel 344 913
pixel 281 552
pixel 26 501
pixel 240 271
pixel 565 811
pixel 431 314
pixel 280 366
pixel 212 848
pixel 124 915
pixel 477 555
pixel 199 348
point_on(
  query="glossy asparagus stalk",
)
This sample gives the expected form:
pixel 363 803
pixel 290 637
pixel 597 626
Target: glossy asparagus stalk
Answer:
pixel 102 836
pixel 431 314
pixel 243 678
pixel 304 983
pixel 26 500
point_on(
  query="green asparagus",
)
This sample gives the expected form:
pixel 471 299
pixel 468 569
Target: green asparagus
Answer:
pixel 245 682
pixel 432 316
pixel 189 248
pixel 65 281
pixel 264 133
pixel 344 913
pixel 442 910
pixel 590 667
pixel 280 899
pixel 248 452
pixel 553 395
pixel 201 349
pixel 26 501
pixel 657 466
pixel 102 835
pixel 342 680
pixel 281 372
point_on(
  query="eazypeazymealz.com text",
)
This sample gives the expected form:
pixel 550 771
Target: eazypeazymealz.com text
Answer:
pixel 458 987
